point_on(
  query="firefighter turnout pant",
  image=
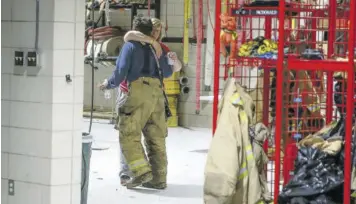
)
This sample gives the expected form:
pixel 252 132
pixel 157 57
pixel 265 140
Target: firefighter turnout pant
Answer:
pixel 144 111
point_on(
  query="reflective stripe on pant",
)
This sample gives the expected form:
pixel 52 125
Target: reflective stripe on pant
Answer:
pixel 144 110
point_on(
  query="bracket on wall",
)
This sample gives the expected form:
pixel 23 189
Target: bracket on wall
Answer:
pixel 11 186
pixel 68 78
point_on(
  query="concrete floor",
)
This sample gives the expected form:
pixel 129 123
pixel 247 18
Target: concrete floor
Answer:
pixel 187 149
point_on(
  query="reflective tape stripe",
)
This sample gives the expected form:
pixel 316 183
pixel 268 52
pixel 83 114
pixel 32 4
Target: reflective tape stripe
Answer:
pixel 243 171
pixel 235 99
pixel 314 107
pixel 137 164
pixel 249 156
pixel 353 194
pixel 243 116
pixel 243 174
pixel 249 152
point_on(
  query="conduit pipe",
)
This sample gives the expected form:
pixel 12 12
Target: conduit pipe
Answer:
pixel 184 90
pixel 183 81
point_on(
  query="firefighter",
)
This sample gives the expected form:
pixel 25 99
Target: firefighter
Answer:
pixel 144 109
pixel 155 40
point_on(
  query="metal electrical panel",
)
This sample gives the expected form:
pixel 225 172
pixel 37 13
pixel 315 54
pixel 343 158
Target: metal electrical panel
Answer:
pixel 19 58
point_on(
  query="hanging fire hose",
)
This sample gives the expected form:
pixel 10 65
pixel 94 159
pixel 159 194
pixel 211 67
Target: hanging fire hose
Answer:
pixel 166 29
pixel 194 21
pixel 209 56
pixel 187 19
pixel 198 62
pixel 149 8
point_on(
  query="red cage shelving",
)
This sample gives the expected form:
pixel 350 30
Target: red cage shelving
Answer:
pixel 301 85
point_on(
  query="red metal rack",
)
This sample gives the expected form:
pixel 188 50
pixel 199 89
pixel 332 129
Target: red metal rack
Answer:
pixel 301 84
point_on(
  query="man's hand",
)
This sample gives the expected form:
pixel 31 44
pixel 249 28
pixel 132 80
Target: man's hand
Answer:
pixel 157 48
pixel 103 85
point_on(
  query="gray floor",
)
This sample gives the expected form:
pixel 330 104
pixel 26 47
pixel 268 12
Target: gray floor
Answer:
pixel 186 149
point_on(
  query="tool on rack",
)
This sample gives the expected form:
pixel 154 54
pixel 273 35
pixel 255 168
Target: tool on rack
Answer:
pixel 228 39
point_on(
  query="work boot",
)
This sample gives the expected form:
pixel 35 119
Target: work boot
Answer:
pixel 124 179
pixel 158 186
pixel 139 180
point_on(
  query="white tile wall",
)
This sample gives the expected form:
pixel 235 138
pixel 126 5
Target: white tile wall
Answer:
pixel 18 30
pixel 62 117
pixel 31 115
pixel 80 12
pixel 5 12
pixel 63 62
pixel 64 35
pixel 29 193
pixel 40 150
pixel 4 165
pixel 36 143
pixel 60 194
pixel 30 169
pixel 76 192
pixel 4 192
pixel 79 33
pixel 77 141
pixel 46 14
pixel 78 83
pixel 6 34
pixel 23 10
pixel 64 11
pixel 45 36
pixel 5 86
pixel 62 144
pixel 5 113
pixel 76 169
pixel 61 171
pixel 78 64
pixel 31 89
pixel 78 117
pixel 63 91
pixel 5 139
pixel 7 66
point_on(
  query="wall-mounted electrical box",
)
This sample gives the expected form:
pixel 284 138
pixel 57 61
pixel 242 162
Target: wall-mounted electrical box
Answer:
pixel 19 58
pixel 32 59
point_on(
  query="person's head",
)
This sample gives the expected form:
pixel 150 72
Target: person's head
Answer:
pixel 143 25
pixel 157 29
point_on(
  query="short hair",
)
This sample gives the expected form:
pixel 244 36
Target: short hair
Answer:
pixel 142 24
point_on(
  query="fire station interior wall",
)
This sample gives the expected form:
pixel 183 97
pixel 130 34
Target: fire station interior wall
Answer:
pixel 41 120
pixel 174 13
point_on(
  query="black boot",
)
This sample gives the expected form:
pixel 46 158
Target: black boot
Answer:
pixel 158 186
pixel 139 180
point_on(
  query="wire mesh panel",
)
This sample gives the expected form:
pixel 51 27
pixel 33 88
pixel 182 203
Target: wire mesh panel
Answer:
pixel 295 59
pixel 250 57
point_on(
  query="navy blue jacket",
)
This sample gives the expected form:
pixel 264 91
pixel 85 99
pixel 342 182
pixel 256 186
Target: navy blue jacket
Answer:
pixel 137 60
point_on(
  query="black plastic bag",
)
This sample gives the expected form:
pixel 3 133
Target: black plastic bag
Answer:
pixel 318 176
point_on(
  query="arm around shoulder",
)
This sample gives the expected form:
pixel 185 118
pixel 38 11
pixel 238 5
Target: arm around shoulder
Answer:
pixel 137 36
